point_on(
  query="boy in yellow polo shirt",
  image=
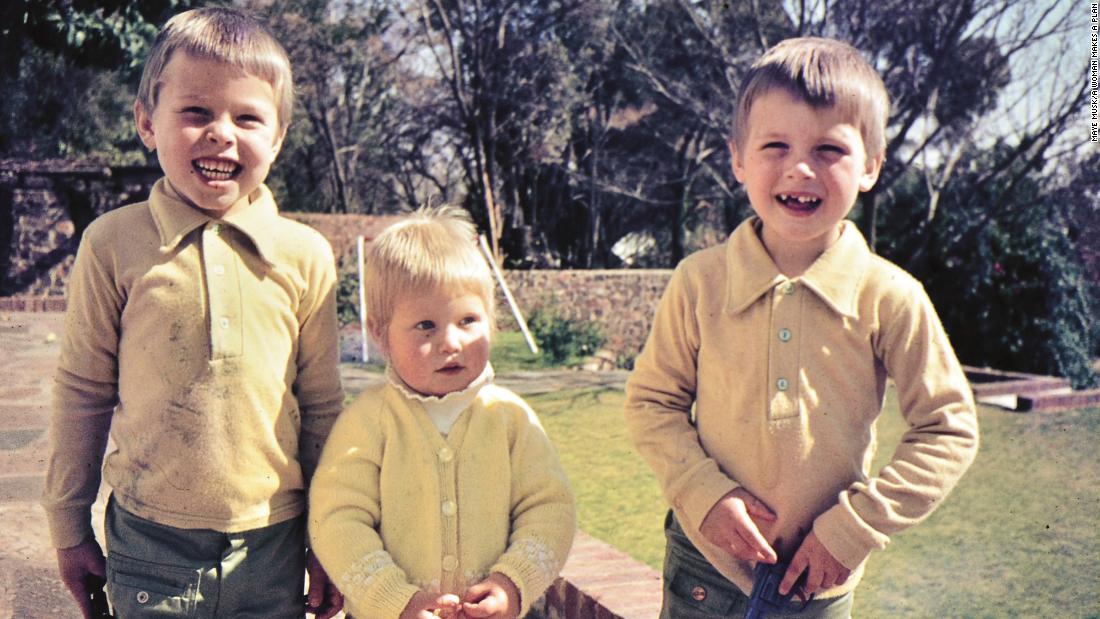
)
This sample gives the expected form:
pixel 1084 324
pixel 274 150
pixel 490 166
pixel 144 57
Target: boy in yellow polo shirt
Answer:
pixel 755 397
pixel 438 493
pixel 201 336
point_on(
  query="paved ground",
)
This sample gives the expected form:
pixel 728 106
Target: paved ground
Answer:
pixel 28 355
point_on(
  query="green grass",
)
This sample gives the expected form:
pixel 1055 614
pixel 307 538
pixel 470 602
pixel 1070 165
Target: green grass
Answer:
pixel 510 353
pixel 1019 536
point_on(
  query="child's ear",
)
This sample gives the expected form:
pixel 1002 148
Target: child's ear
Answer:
pixel 143 118
pixel 736 163
pixel 279 142
pixel 377 334
pixel 870 173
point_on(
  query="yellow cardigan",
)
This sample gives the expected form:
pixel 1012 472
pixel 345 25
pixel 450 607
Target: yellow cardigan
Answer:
pixel 786 377
pixel 207 348
pixel 396 507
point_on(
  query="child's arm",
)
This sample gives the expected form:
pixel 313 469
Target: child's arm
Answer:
pixel 543 513
pixel 935 399
pixel 317 386
pixel 659 398
pixel 344 513
pixel 85 395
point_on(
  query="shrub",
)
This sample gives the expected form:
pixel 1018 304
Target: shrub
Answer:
pixel 564 340
pixel 1000 264
pixel 347 297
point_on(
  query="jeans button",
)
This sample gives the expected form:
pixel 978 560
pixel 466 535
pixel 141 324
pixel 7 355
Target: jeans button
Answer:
pixel 698 593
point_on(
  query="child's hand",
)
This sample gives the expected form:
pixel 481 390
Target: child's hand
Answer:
pixel 824 570
pixel 496 596
pixel 424 605
pixel 731 525
pixel 79 566
pixel 324 600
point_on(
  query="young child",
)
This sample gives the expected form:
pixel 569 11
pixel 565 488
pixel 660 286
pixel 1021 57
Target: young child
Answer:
pixel 782 340
pixel 201 335
pixel 438 493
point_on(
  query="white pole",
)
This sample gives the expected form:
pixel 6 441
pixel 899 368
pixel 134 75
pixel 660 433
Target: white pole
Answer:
pixel 507 295
pixel 360 244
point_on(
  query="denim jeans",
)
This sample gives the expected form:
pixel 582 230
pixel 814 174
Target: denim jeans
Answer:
pixel 155 570
pixel 693 589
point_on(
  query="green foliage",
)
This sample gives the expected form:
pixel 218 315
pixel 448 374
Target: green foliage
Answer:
pixel 1001 268
pixel 347 297
pixel 561 339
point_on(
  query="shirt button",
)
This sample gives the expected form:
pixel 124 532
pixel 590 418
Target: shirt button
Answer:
pixel 788 288
pixel 782 384
pixel 224 322
pixel 219 269
pixel 784 335
pixel 445 454
pixel 450 562
pixel 449 508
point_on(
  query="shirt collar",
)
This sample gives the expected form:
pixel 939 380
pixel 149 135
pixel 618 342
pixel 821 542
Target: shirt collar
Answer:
pixel 834 277
pixel 465 396
pixel 175 219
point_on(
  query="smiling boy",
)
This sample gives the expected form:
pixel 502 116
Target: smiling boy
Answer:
pixel 201 337
pixel 755 397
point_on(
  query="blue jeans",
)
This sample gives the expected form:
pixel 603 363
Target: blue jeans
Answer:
pixel 155 570
pixel 693 589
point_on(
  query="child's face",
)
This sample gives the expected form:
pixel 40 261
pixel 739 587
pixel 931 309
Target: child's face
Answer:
pixel 437 341
pixel 803 168
pixel 215 128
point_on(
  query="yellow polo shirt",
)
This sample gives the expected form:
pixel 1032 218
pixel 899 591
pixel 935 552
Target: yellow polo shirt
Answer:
pixel 785 378
pixel 207 348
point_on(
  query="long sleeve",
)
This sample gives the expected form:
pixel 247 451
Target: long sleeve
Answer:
pixel 543 514
pixel 320 395
pixel 942 440
pixel 344 516
pixel 659 398
pixel 85 395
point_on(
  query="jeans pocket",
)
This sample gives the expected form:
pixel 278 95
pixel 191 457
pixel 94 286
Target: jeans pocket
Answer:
pixel 694 590
pixel 144 589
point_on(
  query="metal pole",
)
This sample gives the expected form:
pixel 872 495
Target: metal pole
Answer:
pixel 507 294
pixel 360 244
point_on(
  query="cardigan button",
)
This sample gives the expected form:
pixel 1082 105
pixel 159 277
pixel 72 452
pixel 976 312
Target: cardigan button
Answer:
pixel 450 562
pixel 449 508
pixel 445 454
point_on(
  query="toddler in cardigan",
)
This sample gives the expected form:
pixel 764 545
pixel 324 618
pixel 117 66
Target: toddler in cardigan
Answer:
pixel 755 397
pixel 438 493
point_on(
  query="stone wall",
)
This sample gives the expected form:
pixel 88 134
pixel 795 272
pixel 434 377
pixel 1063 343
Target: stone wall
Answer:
pixel 622 302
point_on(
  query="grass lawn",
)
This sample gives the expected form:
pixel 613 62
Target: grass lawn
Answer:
pixel 1019 536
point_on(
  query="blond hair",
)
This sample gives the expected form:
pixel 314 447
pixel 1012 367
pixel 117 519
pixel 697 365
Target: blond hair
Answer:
pixel 432 248
pixel 224 35
pixel 824 73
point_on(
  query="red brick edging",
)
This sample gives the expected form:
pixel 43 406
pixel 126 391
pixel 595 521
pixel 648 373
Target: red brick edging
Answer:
pixel 602 582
